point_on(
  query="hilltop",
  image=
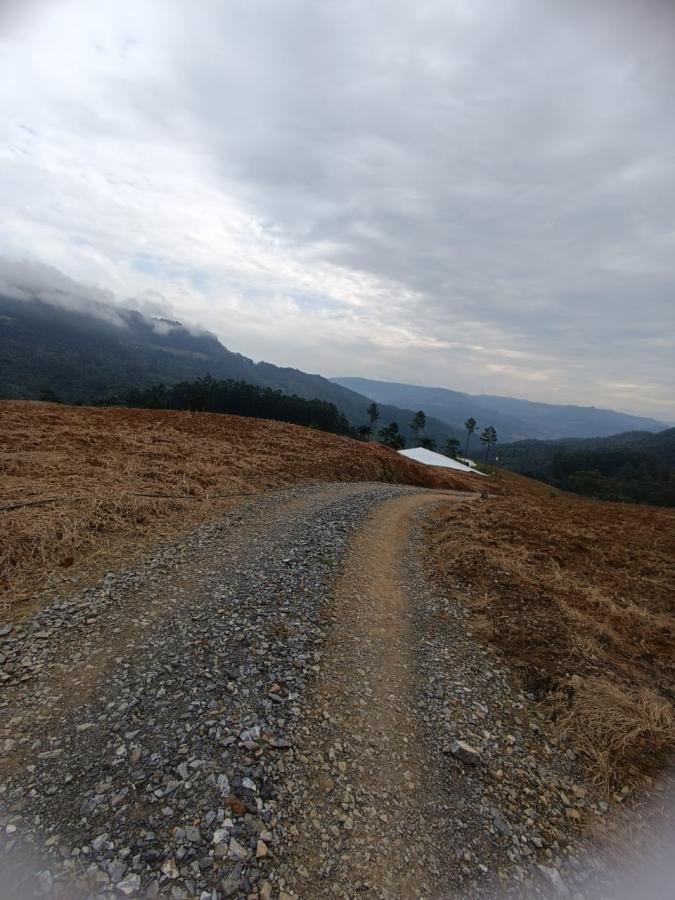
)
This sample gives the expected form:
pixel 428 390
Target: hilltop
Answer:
pixel 93 485
pixel 218 625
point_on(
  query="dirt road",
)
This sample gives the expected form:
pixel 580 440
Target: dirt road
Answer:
pixel 368 778
pixel 279 705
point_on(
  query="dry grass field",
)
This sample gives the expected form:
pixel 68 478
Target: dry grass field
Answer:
pixel 84 490
pixel 578 595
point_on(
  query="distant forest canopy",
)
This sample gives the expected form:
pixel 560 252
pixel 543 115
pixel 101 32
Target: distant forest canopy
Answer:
pixel 624 475
pixel 635 467
pixel 239 399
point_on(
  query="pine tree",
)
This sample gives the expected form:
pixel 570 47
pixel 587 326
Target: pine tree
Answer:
pixel 488 437
pixel 452 447
pixel 418 424
pixel 392 437
pixel 470 426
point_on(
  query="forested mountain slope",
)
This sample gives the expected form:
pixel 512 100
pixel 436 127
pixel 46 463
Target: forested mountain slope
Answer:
pixel 109 350
pixel 636 466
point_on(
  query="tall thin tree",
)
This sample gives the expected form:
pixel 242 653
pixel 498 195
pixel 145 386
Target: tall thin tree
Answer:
pixel 392 437
pixel 418 424
pixel 488 437
pixel 470 426
pixel 366 431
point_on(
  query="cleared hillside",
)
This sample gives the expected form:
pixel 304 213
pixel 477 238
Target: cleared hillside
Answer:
pixel 117 480
pixel 578 595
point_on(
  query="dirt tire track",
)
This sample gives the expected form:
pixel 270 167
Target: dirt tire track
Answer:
pixel 373 797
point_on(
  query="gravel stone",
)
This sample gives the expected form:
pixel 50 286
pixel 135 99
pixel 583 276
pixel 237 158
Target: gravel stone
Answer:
pixel 158 731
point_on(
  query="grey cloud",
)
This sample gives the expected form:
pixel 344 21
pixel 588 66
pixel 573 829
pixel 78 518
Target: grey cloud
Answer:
pixel 26 280
pixel 527 146
pixel 151 304
pixel 504 168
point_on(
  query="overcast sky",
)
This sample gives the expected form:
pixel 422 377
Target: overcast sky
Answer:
pixel 477 195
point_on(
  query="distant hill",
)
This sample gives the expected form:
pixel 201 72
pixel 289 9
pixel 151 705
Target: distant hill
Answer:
pixel 514 419
pixel 109 350
pixel 637 466
pixel 535 457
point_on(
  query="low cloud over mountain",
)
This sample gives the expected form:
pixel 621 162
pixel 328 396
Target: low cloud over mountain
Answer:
pixel 480 193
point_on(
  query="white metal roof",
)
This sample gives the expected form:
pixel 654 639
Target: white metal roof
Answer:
pixel 429 458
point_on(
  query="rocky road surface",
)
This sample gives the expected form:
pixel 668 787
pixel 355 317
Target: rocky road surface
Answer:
pixel 279 705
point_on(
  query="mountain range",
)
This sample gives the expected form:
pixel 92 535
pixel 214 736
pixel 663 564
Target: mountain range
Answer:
pixel 103 350
pixel 92 352
pixel 514 419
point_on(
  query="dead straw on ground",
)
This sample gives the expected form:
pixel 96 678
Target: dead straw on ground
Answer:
pixel 578 596
pixel 86 490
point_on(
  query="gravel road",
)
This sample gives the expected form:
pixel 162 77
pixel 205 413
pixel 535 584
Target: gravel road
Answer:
pixel 279 705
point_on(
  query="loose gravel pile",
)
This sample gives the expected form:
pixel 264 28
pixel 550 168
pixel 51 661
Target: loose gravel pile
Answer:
pixel 282 705
pixel 151 765
pixel 425 771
